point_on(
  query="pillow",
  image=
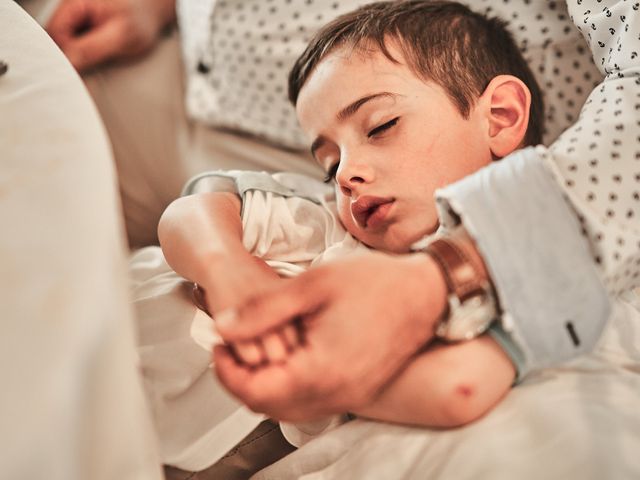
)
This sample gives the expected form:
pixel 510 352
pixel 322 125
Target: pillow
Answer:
pixel 557 54
pixel 238 79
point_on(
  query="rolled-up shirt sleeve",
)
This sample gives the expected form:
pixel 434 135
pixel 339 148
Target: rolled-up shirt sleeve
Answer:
pixel 558 226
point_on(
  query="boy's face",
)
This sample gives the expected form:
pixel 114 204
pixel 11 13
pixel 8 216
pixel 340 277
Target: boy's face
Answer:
pixel 391 139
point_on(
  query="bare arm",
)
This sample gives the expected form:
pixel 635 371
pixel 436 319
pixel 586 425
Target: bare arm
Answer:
pixel 196 229
pixel 201 238
pixel 446 385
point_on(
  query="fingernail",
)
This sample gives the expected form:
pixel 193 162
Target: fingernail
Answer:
pixel 250 353
pixel 289 334
pixel 275 347
pixel 226 318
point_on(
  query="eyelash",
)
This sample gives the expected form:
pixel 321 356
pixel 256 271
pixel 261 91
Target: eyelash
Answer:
pixel 331 174
pixel 333 170
pixel 383 127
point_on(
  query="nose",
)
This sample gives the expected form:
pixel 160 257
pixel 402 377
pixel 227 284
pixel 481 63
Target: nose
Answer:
pixel 352 174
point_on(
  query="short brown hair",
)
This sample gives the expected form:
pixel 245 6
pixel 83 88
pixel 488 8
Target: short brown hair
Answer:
pixel 445 42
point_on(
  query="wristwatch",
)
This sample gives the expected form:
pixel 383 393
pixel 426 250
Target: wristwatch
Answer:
pixel 472 305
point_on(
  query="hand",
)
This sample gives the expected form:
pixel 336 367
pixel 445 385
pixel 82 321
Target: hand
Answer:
pixel 91 32
pixel 362 319
pixel 231 283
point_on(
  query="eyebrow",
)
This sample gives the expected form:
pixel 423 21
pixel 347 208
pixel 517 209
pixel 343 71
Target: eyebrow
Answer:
pixel 349 111
pixel 352 108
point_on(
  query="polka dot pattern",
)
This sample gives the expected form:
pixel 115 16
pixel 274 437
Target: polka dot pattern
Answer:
pixel 597 160
pixel 238 80
pixel 558 56
pixel 251 48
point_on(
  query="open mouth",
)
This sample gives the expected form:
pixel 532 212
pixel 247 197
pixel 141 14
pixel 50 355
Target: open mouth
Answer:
pixel 371 212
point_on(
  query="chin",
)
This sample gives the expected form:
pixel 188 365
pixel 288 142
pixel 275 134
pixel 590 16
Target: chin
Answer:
pixel 394 246
pixel 397 240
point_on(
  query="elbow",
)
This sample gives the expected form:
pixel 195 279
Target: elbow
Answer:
pixel 174 215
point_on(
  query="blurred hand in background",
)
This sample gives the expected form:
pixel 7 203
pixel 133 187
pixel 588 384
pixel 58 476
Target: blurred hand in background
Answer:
pixel 92 32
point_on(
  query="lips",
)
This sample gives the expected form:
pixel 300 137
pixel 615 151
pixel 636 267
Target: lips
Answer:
pixel 369 211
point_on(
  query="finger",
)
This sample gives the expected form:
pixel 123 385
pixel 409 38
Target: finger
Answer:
pixel 291 300
pixel 229 371
pixel 264 390
pixel 290 336
pixel 245 382
pixel 278 390
pixel 250 352
pixel 98 45
pixel 67 18
pixel 276 350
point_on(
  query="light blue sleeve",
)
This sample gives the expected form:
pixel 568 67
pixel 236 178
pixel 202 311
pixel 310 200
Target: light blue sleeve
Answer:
pixel 553 301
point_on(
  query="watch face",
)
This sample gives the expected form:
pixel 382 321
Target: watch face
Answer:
pixel 467 320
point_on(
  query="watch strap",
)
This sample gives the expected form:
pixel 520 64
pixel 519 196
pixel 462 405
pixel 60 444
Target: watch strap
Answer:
pixel 462 278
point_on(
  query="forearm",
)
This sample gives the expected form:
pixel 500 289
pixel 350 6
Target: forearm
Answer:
pixel 446 386
pixel 199 231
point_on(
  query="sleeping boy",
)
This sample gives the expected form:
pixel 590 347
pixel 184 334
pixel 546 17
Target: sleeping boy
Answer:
pixel 398 99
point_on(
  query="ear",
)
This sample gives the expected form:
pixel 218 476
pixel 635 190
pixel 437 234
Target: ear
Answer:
pixel 507 100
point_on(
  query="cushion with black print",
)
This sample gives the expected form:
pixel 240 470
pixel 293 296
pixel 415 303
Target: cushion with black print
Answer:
pixel 238 74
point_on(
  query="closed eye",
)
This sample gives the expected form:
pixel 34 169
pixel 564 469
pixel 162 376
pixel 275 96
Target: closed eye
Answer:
pixel 381 128
pixel 331 174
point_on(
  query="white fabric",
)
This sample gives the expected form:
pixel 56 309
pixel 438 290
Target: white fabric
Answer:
pixel 293 229
pixel 288 219
pixel 578 421
pixel 72 406
pixel 194 16
pixel 196 419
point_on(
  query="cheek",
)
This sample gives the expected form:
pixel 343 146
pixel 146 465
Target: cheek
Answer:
pixel 421 216
pixel 456 153
pixel 344 213
pixel 469 143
